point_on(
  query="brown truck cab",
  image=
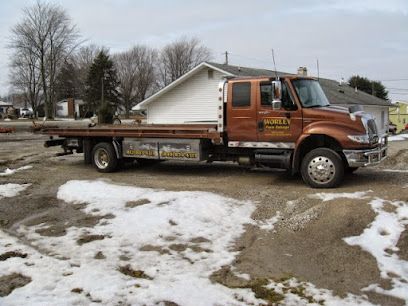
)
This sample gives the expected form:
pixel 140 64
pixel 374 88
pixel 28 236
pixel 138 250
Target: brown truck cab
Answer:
pixel 282 123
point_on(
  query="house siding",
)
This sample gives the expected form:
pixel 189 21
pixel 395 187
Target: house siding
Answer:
pixel 399 115
pixel 192 101
pixel 380 114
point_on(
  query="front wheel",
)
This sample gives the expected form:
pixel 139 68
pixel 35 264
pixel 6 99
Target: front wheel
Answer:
pixel 104 157
pixel 322 168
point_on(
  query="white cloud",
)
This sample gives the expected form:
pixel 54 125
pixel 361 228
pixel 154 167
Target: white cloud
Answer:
pixel 348 37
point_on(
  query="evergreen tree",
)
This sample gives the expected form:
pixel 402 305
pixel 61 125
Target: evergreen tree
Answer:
pixel 371 87
pixel 67 82
pixel 102 74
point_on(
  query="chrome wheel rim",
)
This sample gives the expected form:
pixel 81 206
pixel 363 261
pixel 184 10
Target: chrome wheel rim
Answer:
pixel 321 169
pixel 101 158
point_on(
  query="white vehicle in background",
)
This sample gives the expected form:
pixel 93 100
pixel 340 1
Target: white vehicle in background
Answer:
pixel 26 113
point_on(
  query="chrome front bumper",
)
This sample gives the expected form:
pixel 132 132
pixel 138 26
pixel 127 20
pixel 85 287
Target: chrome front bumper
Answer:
pixel 364 158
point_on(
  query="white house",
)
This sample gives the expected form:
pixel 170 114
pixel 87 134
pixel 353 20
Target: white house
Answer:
pixel 4 106
pixel 190 99
pixel 193 98
pixel 67 108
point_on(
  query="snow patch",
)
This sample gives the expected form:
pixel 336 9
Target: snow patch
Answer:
pixel 308 294
pixel 177 239
pixel 395 170
pixel 380 239
pixel 326 196
pixel 268 224
pixel 400 137
pixel 11 190
pixel 12 171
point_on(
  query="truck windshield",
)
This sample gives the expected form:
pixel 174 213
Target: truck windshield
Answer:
pixel 310 93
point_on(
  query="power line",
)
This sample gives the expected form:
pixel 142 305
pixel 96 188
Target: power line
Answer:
pixel 397 88
pixel 393 80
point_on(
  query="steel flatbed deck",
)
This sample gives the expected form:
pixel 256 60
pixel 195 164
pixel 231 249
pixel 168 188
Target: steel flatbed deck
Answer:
pixel 185 131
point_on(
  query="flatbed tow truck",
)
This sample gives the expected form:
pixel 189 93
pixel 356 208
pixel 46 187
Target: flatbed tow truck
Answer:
pixel 282 123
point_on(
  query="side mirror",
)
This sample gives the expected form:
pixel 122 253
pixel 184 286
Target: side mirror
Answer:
pixel 276 105
pixel 276 94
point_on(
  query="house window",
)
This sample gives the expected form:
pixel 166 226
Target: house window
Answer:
pixel 210 74
pixel 241 94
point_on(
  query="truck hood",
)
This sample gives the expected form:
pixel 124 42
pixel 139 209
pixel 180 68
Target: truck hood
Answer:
pixel 336 114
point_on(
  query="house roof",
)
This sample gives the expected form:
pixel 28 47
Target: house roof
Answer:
pixel 178 81
pixel 2 103
pixel 335 93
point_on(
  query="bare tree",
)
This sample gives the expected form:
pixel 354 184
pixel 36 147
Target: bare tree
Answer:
pixel 46 30
pixel 180 56
pixel 25 77
pixel 136 73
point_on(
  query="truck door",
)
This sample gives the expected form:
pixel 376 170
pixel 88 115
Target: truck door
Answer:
pixel 283 126
pixel 241 111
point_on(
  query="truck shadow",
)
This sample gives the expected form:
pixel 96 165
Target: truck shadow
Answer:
pixel 362 178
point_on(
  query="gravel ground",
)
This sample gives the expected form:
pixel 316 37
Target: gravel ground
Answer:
pixel 306 243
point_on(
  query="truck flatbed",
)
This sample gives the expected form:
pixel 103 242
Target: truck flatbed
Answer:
pixel 256 126
pixel 187 131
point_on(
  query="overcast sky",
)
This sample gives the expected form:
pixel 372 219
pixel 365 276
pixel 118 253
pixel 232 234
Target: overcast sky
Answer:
pixel 368 38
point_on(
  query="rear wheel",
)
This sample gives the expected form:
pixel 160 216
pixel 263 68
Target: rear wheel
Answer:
pixel 104 157
pixel 322 168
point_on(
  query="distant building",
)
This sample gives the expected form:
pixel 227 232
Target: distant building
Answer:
pixel 399 114
pixel 192 97
pixel 69 108
pixel 3 108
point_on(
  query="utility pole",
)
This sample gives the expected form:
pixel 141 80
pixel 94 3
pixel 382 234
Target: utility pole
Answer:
pixel 226 57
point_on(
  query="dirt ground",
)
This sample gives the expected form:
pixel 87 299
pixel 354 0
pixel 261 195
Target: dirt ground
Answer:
pixel 307 242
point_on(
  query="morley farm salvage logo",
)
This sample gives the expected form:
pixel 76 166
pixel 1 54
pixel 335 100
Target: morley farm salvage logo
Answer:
pixel 277 125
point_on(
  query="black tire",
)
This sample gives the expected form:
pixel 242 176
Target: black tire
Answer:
pixel 322 168
pixel 104 157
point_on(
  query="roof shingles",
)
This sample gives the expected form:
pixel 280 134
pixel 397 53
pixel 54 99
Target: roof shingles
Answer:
pixel 336 93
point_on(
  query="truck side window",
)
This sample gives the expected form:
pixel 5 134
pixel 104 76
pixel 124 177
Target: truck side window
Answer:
pixel 266 94
pixel 241 94
pixel 287 101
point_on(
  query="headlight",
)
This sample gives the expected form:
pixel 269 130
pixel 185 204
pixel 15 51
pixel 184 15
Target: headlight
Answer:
pixel 359 138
